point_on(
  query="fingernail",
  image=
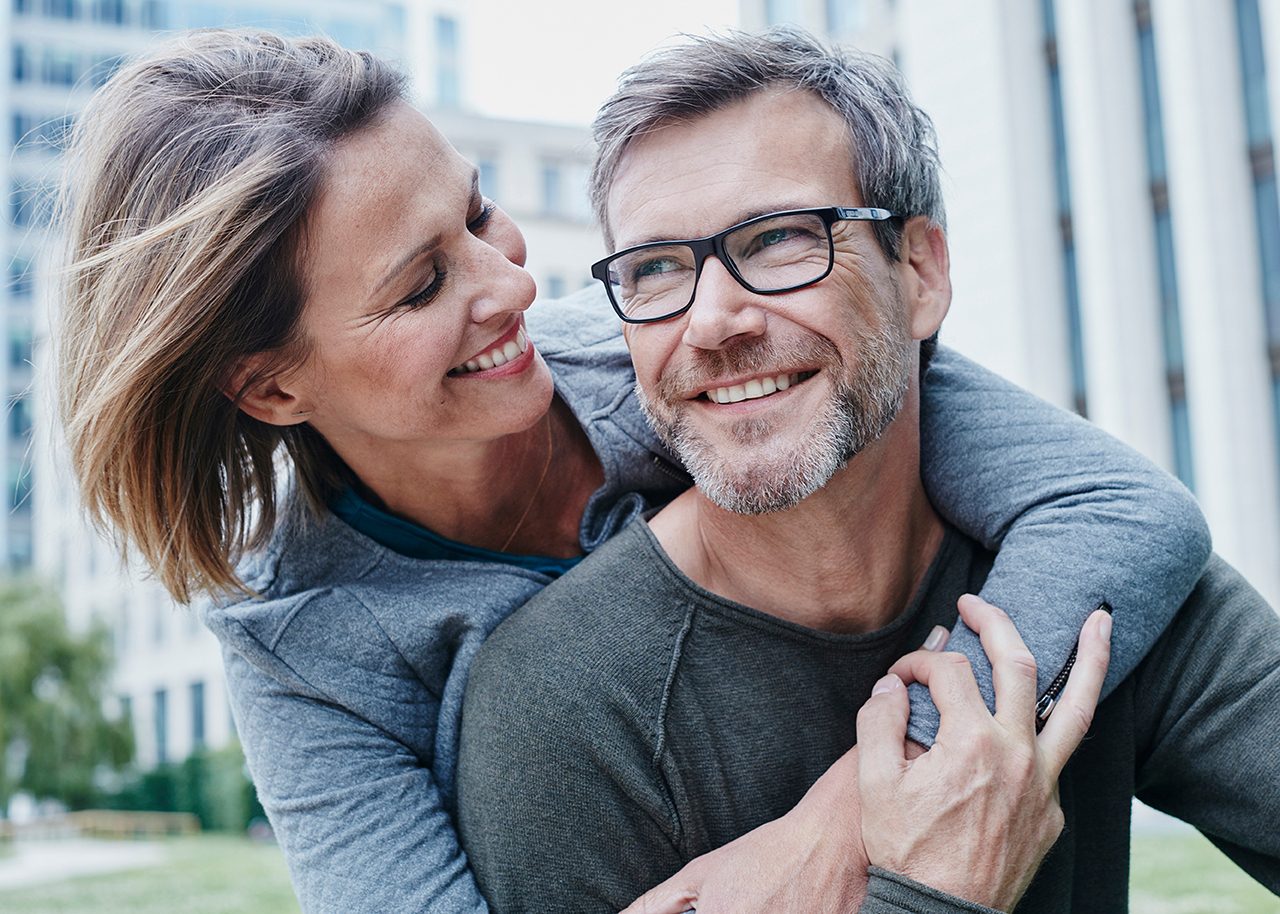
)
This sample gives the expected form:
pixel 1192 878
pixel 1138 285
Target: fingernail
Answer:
pixel 936 638
pixel 886 685
pixel 1104 628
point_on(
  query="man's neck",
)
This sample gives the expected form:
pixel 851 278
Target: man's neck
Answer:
pixel 846 559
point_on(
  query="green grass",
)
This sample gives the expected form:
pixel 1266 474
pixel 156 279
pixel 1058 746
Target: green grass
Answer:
pixel 210 874
pixel 1185 874
pixel 1172 874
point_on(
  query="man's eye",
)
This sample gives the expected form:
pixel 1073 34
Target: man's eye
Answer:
pixel 656 267
pixel 775 236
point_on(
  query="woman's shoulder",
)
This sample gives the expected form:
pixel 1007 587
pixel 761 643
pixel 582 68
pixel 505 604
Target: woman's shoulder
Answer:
pixel 321 592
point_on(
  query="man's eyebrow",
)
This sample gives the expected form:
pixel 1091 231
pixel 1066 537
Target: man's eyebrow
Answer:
pixel 431 243
pixel 743 216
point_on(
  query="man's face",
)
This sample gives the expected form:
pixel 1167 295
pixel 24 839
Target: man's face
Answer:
pixel 838 356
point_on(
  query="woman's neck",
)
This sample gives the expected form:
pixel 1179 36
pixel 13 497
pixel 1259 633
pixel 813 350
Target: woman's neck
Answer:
pixel 523 493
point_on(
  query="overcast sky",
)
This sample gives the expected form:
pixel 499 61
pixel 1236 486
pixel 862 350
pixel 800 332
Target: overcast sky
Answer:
pixel 556 60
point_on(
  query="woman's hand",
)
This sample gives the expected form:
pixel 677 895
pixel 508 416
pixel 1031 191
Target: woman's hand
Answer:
pixel 976 814
pixel 811 860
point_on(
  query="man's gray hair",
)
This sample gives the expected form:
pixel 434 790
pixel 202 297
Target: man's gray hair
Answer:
pixel 894 147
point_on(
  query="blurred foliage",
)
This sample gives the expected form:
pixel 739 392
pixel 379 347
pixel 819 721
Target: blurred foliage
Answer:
pixel 54 734
pixel 213 785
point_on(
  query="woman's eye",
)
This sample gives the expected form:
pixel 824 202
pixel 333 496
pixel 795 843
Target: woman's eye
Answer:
pixel 477 225
pixel 428 292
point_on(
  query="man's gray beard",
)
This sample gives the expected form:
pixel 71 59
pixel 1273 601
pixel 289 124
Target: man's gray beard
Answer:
pixel 863 403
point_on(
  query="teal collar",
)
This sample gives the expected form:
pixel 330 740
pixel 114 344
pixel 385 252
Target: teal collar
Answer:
pixel 417 542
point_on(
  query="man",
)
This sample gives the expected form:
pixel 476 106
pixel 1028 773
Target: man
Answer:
pixel 694 678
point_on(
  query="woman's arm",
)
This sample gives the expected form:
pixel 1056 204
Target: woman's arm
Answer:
pixel 1079 520
pixel 360 819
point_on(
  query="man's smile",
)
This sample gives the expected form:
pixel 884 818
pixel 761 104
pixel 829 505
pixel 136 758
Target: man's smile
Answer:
pixel 754 388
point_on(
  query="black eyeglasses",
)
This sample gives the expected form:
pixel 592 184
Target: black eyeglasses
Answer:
pixel 768 255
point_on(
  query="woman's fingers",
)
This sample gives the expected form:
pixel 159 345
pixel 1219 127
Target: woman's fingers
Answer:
pixel 882 729
pixel 951 685
pixel 1073 713
pixel 1013 668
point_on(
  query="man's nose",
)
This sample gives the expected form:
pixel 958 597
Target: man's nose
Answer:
pixel 722 309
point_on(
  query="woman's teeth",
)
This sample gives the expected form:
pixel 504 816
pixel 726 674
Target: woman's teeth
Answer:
pixel 499 355
pixel 757 387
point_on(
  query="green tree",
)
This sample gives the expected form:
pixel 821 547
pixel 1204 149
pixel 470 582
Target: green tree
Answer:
pixel 54 734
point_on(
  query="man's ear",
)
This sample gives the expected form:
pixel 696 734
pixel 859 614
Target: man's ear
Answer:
pixel 261 390
pixel 924 270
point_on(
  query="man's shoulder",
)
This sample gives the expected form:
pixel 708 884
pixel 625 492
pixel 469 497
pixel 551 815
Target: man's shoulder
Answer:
pixel 1222 603
pixel 1221 642
pixel 610 622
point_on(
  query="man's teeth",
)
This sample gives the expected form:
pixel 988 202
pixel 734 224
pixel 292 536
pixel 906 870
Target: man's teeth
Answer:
pixel 756 388
pixel 499 355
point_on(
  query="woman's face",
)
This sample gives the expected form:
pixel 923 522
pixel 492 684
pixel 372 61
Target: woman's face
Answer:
pixel 415 296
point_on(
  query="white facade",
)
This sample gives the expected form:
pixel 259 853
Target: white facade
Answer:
pixel 538 174
pixel 989 73
pixel 169 669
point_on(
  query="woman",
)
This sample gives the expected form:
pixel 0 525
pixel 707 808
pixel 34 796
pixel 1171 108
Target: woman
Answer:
pixel 272 257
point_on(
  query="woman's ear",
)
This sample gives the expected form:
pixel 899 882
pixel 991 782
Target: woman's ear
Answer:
pixel 925 273
pixel 261 390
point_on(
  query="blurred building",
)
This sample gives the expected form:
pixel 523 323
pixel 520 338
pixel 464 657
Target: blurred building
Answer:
pixel 1112 212
pixel 169 668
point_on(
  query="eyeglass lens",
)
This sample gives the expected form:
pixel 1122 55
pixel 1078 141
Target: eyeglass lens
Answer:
pixel 772 254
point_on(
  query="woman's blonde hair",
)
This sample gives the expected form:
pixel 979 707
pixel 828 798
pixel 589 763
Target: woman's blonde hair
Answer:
pixel 188 179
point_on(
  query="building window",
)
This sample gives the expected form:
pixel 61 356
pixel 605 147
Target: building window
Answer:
pixel 20 550
pixel 161 723
pixel 30 204
pixel 24 6
pixel 552 189
pixel 22 69
pixel 555 286
pixel 1262 164
pixel 1062 173
pixel 781 12
pixel 60 68
pixel 20 489
pixel 21 283
pixel 197 715
pixel 844 17
pixel 1166 264
pixel 448 91
pixel 62 9
pixel 109 11
pixel 154 15
pixel 102 69
pixel 20 417
pixel 488 169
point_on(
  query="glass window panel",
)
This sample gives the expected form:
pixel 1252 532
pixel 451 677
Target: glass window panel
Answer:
pixel 1267 205
pixel 161 723
pixel 488 169
pixel 780 12
pixel 1153 125
pixel 552 189
pixel 1253 71
pixel 844 17
pixel 1182 462
pixel 197 715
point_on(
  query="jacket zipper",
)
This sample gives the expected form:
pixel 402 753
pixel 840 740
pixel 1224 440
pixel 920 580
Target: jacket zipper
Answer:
pixel 1049 700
